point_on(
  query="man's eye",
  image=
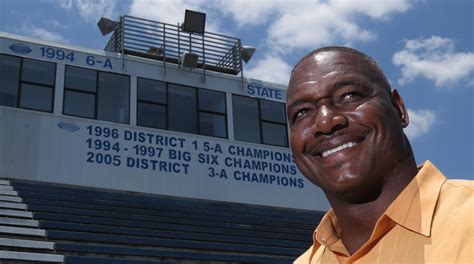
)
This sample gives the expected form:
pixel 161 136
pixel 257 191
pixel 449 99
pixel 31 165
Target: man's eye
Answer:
pixel 349 97
pixel 300 113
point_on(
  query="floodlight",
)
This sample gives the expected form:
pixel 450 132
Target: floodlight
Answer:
pixel 247 52
pixel 188 59
pixel 194 22
pixel 106 25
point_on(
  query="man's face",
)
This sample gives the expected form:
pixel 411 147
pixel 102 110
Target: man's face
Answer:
pixel 345 130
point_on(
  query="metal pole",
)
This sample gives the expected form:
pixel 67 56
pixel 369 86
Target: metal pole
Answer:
pixel 203 61
pixel 122 28
pixel 179 44
pixel 241 68
pixel 164 50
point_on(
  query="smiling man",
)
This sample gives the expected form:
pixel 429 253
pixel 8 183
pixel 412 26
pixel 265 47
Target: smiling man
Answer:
pixel 346 133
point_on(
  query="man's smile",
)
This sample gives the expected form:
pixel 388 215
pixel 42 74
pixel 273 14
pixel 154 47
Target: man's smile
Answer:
pixel 328 145
pixel 338 148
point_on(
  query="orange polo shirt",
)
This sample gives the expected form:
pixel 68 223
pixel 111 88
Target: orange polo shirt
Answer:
pixel 431 221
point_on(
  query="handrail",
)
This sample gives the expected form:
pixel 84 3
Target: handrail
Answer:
pixel 138 36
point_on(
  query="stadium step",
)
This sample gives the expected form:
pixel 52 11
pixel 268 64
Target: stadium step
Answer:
pixel 21 240
pixel 9 205
pixel 16 213
pixel 22 231
pixel 7 198
pixel 6 187
pixel 10 221
pixel 4 182
pixel 8 193
pixel 26 256
pixel 23 243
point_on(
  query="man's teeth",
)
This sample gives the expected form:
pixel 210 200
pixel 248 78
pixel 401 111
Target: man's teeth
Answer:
pixel 338 148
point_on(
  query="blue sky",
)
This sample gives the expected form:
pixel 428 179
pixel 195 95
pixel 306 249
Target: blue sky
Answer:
pixel 425 47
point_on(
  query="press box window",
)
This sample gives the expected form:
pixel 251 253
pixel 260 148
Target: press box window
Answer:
pixel 80 91
pixel 27 83
pixel 259 121
pixel 96 95
pixel 181 108
pixel 246 119
pixel 113 98
pixel 273 123
pixel 212 113
pixel 151 105
pixel 9 76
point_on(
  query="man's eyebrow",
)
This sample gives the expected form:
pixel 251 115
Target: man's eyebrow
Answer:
pixel 296 103
pixel 349 81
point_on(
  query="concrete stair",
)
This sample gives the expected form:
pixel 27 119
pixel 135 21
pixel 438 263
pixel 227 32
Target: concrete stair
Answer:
pixel 33 257
pixel 9 221
pixel 21 240
pixel 96 226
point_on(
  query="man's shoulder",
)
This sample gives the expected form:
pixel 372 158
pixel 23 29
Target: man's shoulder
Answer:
pixel 452 221
pixel 457 194
pixel 458 189
pixel 459 185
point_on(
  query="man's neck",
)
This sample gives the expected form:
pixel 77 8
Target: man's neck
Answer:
pixel 357 220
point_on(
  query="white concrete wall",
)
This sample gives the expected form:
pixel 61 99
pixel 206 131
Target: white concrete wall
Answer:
pixel 51 148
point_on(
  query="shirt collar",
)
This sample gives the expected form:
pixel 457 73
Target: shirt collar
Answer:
pixel 415 206
pixel 328 233
pixel 328 230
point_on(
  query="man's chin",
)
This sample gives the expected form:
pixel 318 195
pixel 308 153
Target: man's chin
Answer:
pixel 353 190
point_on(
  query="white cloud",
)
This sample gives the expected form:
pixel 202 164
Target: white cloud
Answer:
pixel 172 12
pixel 373 8
pixel 308 24
pixel 261 11
pixel 313 24
pixel 434 58
pixel 270 68
pixel 421 122
pixel 166 11
pixel 54 23
pixel 67 4
pixel 471 83
pixel 91 10
pixel 42 33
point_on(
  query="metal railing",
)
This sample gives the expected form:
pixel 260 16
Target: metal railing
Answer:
pixel 166 42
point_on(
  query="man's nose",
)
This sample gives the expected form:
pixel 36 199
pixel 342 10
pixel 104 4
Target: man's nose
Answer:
pixel 328 120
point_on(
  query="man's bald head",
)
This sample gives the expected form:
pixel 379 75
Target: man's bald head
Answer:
pixel 378 76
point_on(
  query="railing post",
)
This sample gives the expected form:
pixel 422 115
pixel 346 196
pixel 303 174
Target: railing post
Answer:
pixel 179 41
pixel 241 66
pixel 203 61
pixel 164 49
pixel 122 29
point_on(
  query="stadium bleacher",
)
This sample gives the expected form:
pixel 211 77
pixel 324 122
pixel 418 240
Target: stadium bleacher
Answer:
pixel 52 223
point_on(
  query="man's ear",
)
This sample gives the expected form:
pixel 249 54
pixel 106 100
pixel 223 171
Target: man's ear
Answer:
pixel 398 103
